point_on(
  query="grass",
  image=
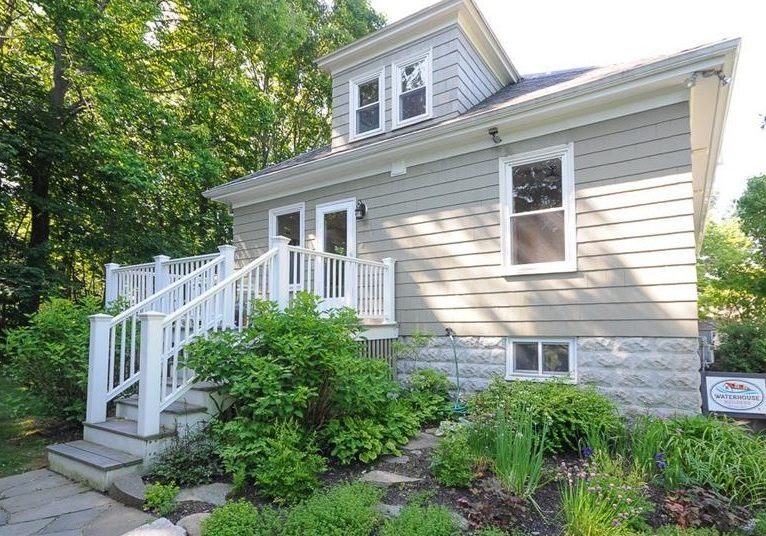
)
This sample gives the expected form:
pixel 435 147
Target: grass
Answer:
pixel 22 431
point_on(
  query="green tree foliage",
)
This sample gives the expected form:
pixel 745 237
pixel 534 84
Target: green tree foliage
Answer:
pixel 115 116
pixel 731 274
pixel 751 209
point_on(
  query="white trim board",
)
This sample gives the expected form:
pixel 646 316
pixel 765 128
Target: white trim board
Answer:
pixel 288 209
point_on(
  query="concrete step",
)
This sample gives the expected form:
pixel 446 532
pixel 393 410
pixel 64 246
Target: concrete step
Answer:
pixel 122 434
pixel 180 415
pixel 96 465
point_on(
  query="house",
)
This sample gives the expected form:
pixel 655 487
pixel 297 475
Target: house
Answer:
pixel 550 220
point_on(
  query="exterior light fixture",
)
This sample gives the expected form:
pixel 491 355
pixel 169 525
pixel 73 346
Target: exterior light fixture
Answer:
pixel 361 210
pixel 692 81
pixel 493 134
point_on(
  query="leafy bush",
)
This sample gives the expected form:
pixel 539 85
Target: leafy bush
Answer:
pixel 566 409
pixel 241 519
pixel 452 461
pixel 345 510
pixel 700 507
pixel 705 451
pixel 674 530
pixel 429 394
pixel 416 520
pixel 158 498
pixel 742 347
pixel 189 461
pixel 301 366
pixel 515 446
pixel 50 355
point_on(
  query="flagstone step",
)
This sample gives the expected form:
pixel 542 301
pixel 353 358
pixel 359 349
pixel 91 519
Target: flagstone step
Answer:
pixel 92 463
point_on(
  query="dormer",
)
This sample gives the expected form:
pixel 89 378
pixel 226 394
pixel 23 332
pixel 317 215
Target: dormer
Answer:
pixel 423 69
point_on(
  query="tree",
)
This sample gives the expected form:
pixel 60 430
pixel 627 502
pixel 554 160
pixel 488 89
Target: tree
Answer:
pixel 751 210
pixel 731 277
pixel 115 116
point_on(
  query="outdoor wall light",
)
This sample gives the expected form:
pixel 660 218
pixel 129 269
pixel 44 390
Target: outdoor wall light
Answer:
pixel 361 210
pixel 493 134
pixel 692 80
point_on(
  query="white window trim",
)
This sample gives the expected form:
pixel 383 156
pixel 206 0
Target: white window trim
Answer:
pixel 288 209
pixel 353 100
pixel 569 264
pixel 396 85
pixel 570 377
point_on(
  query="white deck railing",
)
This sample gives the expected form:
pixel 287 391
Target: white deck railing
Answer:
pixel 116 342
pixel 214 298
pixel 137 282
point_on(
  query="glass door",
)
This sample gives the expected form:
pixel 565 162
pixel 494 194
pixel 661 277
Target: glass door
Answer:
pixel 336 234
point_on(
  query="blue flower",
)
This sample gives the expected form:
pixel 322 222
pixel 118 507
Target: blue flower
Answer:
pixel 587 452
pixel 659 456
pixel 661 465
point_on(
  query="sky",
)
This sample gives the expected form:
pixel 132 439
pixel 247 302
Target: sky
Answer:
pixel 547 35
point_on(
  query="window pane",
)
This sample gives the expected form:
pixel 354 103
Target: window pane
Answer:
pixel 555 357
pixel 289 225
pixel 412 104
pixel 412 76
pixel 368 93
pixel 537 186
pixel 525 357
pixel 368 119
pixel 335 234
pixel 537 238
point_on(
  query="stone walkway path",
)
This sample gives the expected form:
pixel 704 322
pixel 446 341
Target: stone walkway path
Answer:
pixel 43 502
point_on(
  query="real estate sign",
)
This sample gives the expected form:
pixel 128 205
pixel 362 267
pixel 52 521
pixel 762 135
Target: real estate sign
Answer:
pixel 735 394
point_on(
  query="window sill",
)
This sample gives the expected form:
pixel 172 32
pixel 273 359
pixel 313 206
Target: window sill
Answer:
pixel 365 135
pixel 563 378
pixel 538 269
pixel 411 121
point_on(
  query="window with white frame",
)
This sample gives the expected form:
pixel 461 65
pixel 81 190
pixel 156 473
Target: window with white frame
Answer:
pixel 367 96
pixel 537 212
pixel 411 80
pixel 542 358
pixel 289 221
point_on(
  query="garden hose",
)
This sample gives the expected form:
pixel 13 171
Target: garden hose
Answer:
pixel 457 406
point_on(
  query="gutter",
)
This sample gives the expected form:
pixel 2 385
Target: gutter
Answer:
pixel 705 57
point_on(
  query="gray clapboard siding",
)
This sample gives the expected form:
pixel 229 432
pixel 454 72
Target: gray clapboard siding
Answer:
pixel 636 251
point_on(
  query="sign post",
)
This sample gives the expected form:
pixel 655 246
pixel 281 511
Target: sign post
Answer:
pixel 734 394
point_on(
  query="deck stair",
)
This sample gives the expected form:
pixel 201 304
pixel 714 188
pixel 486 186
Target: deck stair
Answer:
pixel 172 302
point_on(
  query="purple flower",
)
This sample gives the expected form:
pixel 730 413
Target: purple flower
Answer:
pixel 661 465
pixel 587 452
pixel 659 456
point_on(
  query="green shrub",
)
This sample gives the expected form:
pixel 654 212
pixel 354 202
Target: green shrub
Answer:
pixel 760 524
pixel 301 366
pixel 416 520
pixel 492 531
pixel 705 451
pixel 742 347
pixel 345 510
pixel 452 461
pixel 159 498
pixel 515 446
pixel 189 461
pixel 50 355
pixel 241 519
pixel 568 410
pixel 290 465
pixel 429 395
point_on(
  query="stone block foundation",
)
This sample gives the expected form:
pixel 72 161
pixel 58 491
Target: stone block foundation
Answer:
pixel 657 375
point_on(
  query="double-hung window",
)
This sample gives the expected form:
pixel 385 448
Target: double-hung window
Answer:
pixel 540 359
pixel 366 94
pixel 537 212
pixel 411 80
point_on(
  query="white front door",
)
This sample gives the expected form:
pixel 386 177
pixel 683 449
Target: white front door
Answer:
pixel 336 234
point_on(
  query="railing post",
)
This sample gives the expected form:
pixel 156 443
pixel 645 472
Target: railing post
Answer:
pixel 389 291
pixel 150 373
pixel 161 272
pixel 98 368
pixel 280 282
pixel 110 282
pixel 227 268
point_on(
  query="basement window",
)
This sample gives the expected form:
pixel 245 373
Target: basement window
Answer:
pixel 537 212
pixel 411 80
pixel 540 359
pixel 367 96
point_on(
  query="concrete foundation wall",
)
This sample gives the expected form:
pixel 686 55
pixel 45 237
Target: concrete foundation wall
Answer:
pixel 657 375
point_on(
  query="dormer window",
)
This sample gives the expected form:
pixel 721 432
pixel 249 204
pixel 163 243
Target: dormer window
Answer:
pixel 367 105
pixel 412 90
